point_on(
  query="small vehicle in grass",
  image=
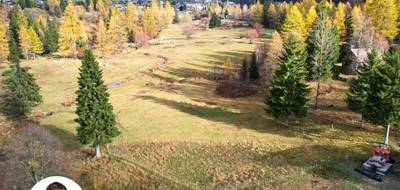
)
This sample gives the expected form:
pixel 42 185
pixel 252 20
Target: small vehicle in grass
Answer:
pixel 378 165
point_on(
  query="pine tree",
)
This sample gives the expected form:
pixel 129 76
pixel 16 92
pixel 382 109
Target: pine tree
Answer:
pixel 357 94
pixel 14 54
pixel 288 91
pixel 253 69
pixel 346 47
pixel 273 17
pixel 294 24
pixel 356 15
pixel 21 90
pixel 339 22
pixel 51 37
pixel 382 106
pixel 72 33
pixel 4 50
pixel 215 21
pixel 95 114
pixel 323 47
pixel 384 15
pixel 149 23
pixel 266 21
pixel 101 37
pixel 13 24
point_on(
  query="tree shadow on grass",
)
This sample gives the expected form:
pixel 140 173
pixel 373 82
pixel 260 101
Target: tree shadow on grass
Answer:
pixel 68 139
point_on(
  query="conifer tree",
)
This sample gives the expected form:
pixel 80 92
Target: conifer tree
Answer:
pixel 51 37
pixel 215 21
pixel 382 106
pixel 170 12
pixel 25 41
pixel 13 25
pixel 155 10
pixel 339 22
pixel 15 53
pixel 288 91
pixel 357 94
pixel 95 113
pixel 21 90
pixel 149 23
pixel 310 18
pixel 253 68
pixel 228 68
pixel 356 15
pixel 323 47
pixel 132 19
pixel 115 33
pixel 266 21
pixel 294 24
pixel 101 37
pixel 384 15
pixel 257 13
pixel 346 47
pixel 244 70
pixel 4 50
pixel 273 17
pixel 71 33
pixel 102 10
pixel 37 46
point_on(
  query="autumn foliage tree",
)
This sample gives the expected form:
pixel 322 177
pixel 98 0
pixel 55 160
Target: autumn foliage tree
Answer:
pixel 294 24
pixel 72 34
pixel 384 15
pixel 252 34
pixel 4 50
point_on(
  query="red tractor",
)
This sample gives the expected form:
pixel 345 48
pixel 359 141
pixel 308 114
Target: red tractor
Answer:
pixel 378 165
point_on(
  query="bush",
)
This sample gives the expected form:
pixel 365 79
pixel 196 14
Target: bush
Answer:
pixel 33 154
pixel 215 21
pixel 236 88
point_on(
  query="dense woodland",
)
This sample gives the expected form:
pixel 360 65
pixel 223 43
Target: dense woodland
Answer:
pixel 312 42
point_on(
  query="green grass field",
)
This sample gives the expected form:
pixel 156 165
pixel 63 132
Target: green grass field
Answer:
pixel 178 134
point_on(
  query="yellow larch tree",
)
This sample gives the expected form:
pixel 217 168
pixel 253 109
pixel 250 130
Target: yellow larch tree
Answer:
pixel 256 12
pixel 102 10
pixel 310 18
pixel 36 44
pixel 384 14
pixel 149 24
pixel 71 32
pixel 24 41
pixel 340 17
pixel 170 11
pixel 294 24
pixel 229 70
pixel 4 51
pixel 115 33
pixel 237 12
pixel 155 9
pixel 356 15
pixel 101 37
pixel 131 17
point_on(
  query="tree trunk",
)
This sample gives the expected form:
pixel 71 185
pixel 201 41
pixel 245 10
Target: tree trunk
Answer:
pixel 316 97
pixel 98 153
pixel 362 121
pixel 387 130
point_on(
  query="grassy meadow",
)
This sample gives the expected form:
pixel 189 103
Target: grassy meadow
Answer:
pixel 178 134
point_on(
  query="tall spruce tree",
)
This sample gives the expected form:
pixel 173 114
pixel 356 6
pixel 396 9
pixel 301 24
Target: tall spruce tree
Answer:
pixel 346 47
pixel 21 90
pixel 244 69
pixel 51 37
pixel 288 91
pixel 253 68
pixel 357 94
pixel 382 105
pixel 323 47
pixel 95 114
